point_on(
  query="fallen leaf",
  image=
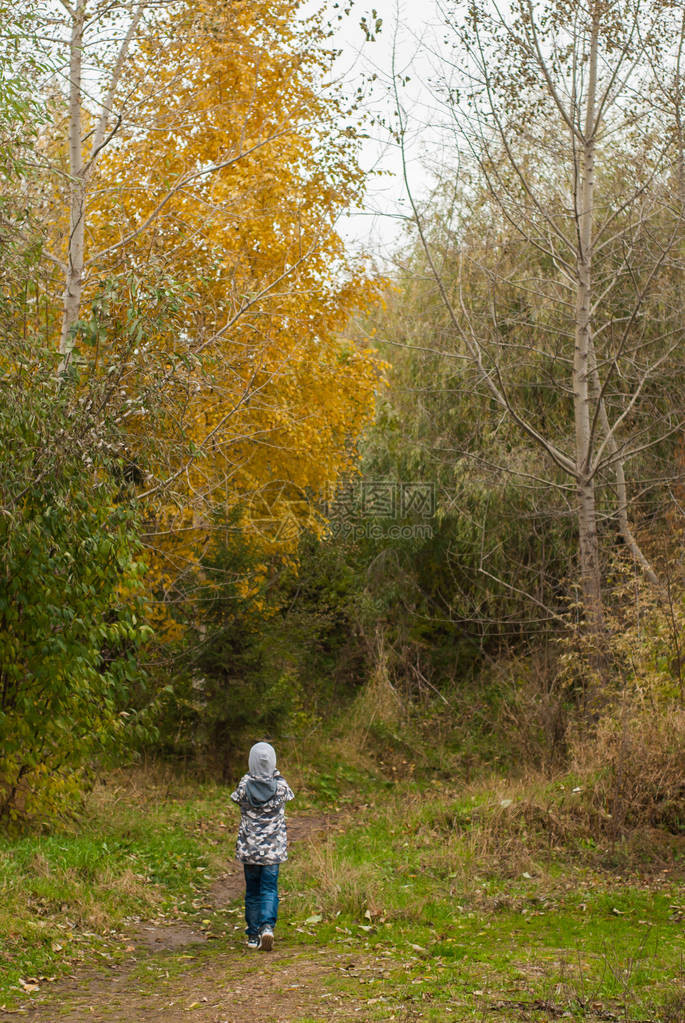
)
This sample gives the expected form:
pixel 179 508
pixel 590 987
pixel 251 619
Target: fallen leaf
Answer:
pixel 29 985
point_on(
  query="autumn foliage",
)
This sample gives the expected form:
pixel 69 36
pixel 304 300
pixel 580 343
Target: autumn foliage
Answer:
pixel 266 396
pixel 215 291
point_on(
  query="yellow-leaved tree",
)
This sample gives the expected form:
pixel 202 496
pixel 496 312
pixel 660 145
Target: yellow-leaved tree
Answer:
pixel 222 187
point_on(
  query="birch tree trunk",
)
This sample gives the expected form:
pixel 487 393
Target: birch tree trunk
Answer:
pixel 590 569
pixel 82 165
pixel 73 286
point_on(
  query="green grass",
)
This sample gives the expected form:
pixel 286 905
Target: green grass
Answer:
pixel 483 921
pixel 146 848
pixel 493 904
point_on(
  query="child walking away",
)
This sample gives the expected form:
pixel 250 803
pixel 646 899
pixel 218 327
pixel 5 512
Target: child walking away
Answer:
pixel 262 841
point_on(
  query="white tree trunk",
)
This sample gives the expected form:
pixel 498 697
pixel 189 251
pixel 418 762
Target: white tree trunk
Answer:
pixel 590 569
pixel 80 168
pixel 73 287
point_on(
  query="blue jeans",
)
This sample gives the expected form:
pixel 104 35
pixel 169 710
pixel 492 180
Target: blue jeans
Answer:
pixel 261 897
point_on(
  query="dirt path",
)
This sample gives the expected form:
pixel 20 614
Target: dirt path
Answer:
pixel 174 973
pixel 227 888
pixel 233 986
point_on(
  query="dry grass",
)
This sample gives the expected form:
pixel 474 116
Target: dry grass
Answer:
pixel 636 760
pixel 341 885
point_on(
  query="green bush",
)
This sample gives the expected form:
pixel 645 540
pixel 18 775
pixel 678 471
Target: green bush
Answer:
pixel 71 611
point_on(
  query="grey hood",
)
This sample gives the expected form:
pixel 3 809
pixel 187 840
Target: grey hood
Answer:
pixel 262 761
pixel 261 784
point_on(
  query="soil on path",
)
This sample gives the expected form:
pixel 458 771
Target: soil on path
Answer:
pixel 175 974
pixel 226 888
pixel 233 986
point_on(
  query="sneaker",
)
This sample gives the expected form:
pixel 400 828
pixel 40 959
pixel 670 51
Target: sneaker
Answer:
pixel 266 940
pixel 253 941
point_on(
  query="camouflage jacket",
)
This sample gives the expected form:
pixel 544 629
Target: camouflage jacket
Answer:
pixel 262 836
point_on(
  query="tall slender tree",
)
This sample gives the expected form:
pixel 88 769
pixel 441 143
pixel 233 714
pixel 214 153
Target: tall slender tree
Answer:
pixel 567 116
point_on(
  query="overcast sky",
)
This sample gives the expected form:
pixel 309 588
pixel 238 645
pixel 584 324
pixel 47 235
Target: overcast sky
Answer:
pixel 409 33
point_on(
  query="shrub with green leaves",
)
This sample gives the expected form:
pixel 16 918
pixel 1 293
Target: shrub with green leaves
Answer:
pixel 71 609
